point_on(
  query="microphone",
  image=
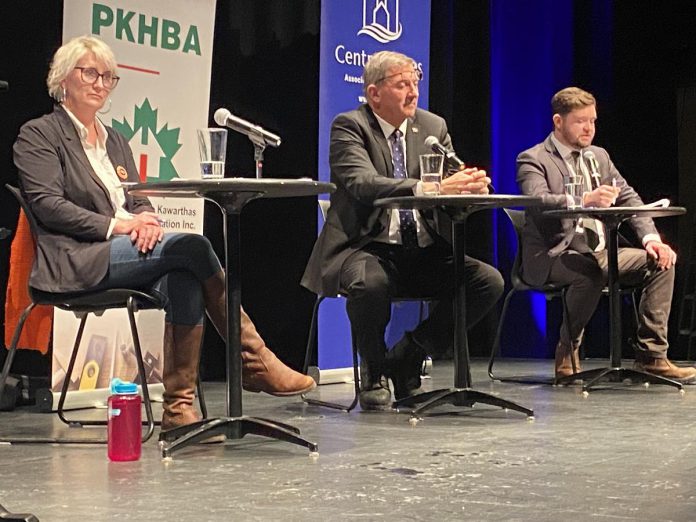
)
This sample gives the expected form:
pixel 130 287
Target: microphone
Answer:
pixel 4 86
pixel 257 134
pixel 594 166
pixel 450 156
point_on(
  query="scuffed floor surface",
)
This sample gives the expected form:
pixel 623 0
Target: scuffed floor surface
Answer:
pixel 623 453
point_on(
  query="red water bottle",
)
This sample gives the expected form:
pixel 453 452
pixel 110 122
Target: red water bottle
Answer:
pixel 124 426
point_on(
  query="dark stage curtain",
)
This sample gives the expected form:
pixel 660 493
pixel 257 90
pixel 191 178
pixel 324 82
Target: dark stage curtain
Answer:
pixel 635 55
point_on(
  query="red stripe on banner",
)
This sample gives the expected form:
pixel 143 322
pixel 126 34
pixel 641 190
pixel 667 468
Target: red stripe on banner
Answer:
pixel 143 168
pixel 139 69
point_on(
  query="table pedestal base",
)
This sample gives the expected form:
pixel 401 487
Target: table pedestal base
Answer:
pixel 232 428
pixel 458 397
pixel 593 377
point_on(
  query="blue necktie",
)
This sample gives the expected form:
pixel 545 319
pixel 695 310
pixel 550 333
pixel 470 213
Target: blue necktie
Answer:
pixel 407 223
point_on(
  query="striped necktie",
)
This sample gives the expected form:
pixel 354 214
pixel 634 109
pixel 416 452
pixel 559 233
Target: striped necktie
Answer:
pixel 593 228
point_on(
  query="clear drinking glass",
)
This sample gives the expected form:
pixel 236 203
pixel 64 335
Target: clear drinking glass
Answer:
pixel 431 173
pixel 574 187
pixel 212 147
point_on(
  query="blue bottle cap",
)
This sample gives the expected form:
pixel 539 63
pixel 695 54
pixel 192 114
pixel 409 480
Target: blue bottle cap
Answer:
pixel 123 387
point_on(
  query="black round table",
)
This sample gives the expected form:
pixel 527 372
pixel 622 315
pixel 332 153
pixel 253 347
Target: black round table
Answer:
pixel 459 208
pixel 612 217
pixel 231 195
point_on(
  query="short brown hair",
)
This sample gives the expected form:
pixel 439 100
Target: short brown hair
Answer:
pixel 569 99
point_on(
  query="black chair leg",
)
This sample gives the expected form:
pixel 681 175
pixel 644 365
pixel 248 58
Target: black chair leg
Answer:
pixel 310 352
pixel 311 349
pixel 13 347
pixel 150 422
pixel 71 367
pixel 495 349
pixel 201 398
pixel 141 370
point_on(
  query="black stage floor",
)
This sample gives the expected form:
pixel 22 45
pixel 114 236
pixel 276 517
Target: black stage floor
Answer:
pixel 623 453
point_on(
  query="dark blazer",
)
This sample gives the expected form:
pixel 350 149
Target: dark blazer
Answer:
pixel 361 167
pixel 70 203
pixel 540 172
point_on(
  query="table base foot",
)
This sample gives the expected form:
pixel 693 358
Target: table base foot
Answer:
pixel 232 428
pixel 465 397
pixel 592 377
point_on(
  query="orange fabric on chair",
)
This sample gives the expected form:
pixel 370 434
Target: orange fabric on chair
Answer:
pixel 36 333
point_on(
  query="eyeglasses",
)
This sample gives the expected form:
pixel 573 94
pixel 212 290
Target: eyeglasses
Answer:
pixel 412 76
pixel 91 75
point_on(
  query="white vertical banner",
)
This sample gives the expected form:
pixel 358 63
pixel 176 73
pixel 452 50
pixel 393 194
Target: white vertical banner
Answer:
pixel 164 53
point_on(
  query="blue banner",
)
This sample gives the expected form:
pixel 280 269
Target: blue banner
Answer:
pixel 351 31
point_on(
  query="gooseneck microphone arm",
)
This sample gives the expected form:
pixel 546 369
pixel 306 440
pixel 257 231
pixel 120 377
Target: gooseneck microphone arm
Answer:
pixel 451 158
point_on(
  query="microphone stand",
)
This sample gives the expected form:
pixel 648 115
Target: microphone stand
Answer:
pixel 259 146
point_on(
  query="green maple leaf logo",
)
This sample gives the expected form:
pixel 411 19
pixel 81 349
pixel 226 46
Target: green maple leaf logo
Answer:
pixel 145 121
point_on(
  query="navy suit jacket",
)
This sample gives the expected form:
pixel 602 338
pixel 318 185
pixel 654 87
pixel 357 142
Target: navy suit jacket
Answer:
pixel 69 201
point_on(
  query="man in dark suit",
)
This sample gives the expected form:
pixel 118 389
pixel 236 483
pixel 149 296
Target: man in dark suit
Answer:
pixel 571 252
pixel 370 254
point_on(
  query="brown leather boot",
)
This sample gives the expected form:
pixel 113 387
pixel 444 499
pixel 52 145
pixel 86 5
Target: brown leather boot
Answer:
pixel 182 348
pixel 567 359
pixel 261 369
pixel 663 367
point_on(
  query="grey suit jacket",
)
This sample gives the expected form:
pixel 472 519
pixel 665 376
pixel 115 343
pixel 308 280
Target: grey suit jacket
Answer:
pixel 70 203
pixel 541 172
pixel 361 168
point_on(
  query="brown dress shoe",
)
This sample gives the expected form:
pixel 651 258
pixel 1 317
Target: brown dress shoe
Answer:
pixel 665 368
pixel 567 360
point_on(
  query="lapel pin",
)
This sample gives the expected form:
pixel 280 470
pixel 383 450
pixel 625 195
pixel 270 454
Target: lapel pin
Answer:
pixel 121 172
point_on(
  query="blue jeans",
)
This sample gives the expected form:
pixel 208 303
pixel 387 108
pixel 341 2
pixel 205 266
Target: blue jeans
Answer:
pixel 175 268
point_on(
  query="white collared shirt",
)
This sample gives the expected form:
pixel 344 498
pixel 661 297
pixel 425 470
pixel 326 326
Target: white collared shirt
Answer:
pixel 565 153
pixel 392 234
pixel 103 168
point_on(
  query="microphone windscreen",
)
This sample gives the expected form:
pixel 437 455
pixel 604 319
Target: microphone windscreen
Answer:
pixel 588 155
pixel 221 116
pixel 431 141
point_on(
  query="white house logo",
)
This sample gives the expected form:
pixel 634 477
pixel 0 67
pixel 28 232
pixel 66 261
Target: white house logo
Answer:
pixel 381 20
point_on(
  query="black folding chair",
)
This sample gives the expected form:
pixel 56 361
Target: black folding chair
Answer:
pixel 82 304
pixel 311 349
pixel 550 291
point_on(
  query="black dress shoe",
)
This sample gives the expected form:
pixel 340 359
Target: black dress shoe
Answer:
pixel 374 388
pixel 405 363
pixel 376 397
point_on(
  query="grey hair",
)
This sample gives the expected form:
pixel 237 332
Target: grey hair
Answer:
pixel 378 66
pixel 69 54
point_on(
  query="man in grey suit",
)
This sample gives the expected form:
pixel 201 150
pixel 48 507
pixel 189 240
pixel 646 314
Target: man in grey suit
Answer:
pixel 572 252
pixel 370 254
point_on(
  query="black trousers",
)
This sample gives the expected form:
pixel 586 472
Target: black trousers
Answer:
pixel 372 276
